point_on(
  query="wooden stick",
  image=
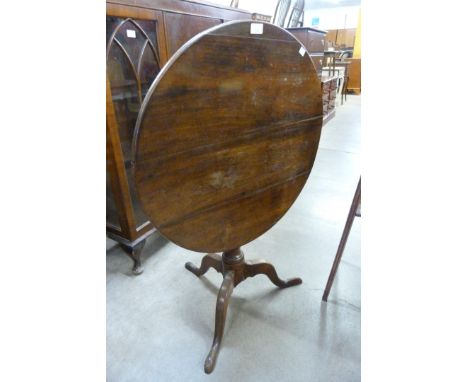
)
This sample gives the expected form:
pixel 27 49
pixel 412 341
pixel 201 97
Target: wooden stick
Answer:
pixel 344 239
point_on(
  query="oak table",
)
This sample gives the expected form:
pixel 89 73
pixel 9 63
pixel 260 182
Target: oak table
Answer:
pixel 224 142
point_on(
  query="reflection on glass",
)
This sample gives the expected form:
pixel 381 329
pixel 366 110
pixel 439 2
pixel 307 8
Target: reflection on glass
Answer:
pixel 148 69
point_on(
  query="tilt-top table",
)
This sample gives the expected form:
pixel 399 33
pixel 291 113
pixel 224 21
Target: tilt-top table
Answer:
pixel 225 140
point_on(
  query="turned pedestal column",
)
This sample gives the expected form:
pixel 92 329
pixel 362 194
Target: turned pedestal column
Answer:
pixel 234 270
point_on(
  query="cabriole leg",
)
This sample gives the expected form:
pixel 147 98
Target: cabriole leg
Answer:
pixel 222 303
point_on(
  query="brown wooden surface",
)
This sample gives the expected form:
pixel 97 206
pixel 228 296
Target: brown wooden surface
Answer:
pixel 180 28
pixel 196 8
pixel 227 136
pixel 354 82
pixel 341 38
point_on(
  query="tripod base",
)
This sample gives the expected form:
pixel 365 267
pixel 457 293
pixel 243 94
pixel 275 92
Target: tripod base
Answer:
pixel 235 270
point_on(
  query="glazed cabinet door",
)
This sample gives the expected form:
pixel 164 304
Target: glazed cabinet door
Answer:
pixel 133 57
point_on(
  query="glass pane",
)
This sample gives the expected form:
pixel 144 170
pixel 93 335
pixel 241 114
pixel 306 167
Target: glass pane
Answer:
pixel 132 40
pixel 150 29
pixel 124 88
pixel 148 70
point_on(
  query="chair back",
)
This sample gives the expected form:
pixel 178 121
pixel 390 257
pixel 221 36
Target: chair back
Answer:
pixel 281 11
pixel 296 18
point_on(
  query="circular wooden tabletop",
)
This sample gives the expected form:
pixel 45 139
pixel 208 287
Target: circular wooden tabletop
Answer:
pixel 227 135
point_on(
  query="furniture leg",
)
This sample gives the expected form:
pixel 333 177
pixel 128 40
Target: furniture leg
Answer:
pixel 210 260
pixel 262 267
pixel 222 303
pixel 344 238
pixel 134 253
pixel 345 90
pixel 235 270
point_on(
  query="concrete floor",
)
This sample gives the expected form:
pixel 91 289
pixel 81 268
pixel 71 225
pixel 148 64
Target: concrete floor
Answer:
pixel 160 324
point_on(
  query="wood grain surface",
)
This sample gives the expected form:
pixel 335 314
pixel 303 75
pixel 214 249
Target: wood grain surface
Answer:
pixel 227 136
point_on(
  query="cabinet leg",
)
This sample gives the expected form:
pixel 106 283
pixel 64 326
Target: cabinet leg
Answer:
pixel 134 253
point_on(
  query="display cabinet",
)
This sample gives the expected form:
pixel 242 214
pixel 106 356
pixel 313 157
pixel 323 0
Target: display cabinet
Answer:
pixel 141 35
